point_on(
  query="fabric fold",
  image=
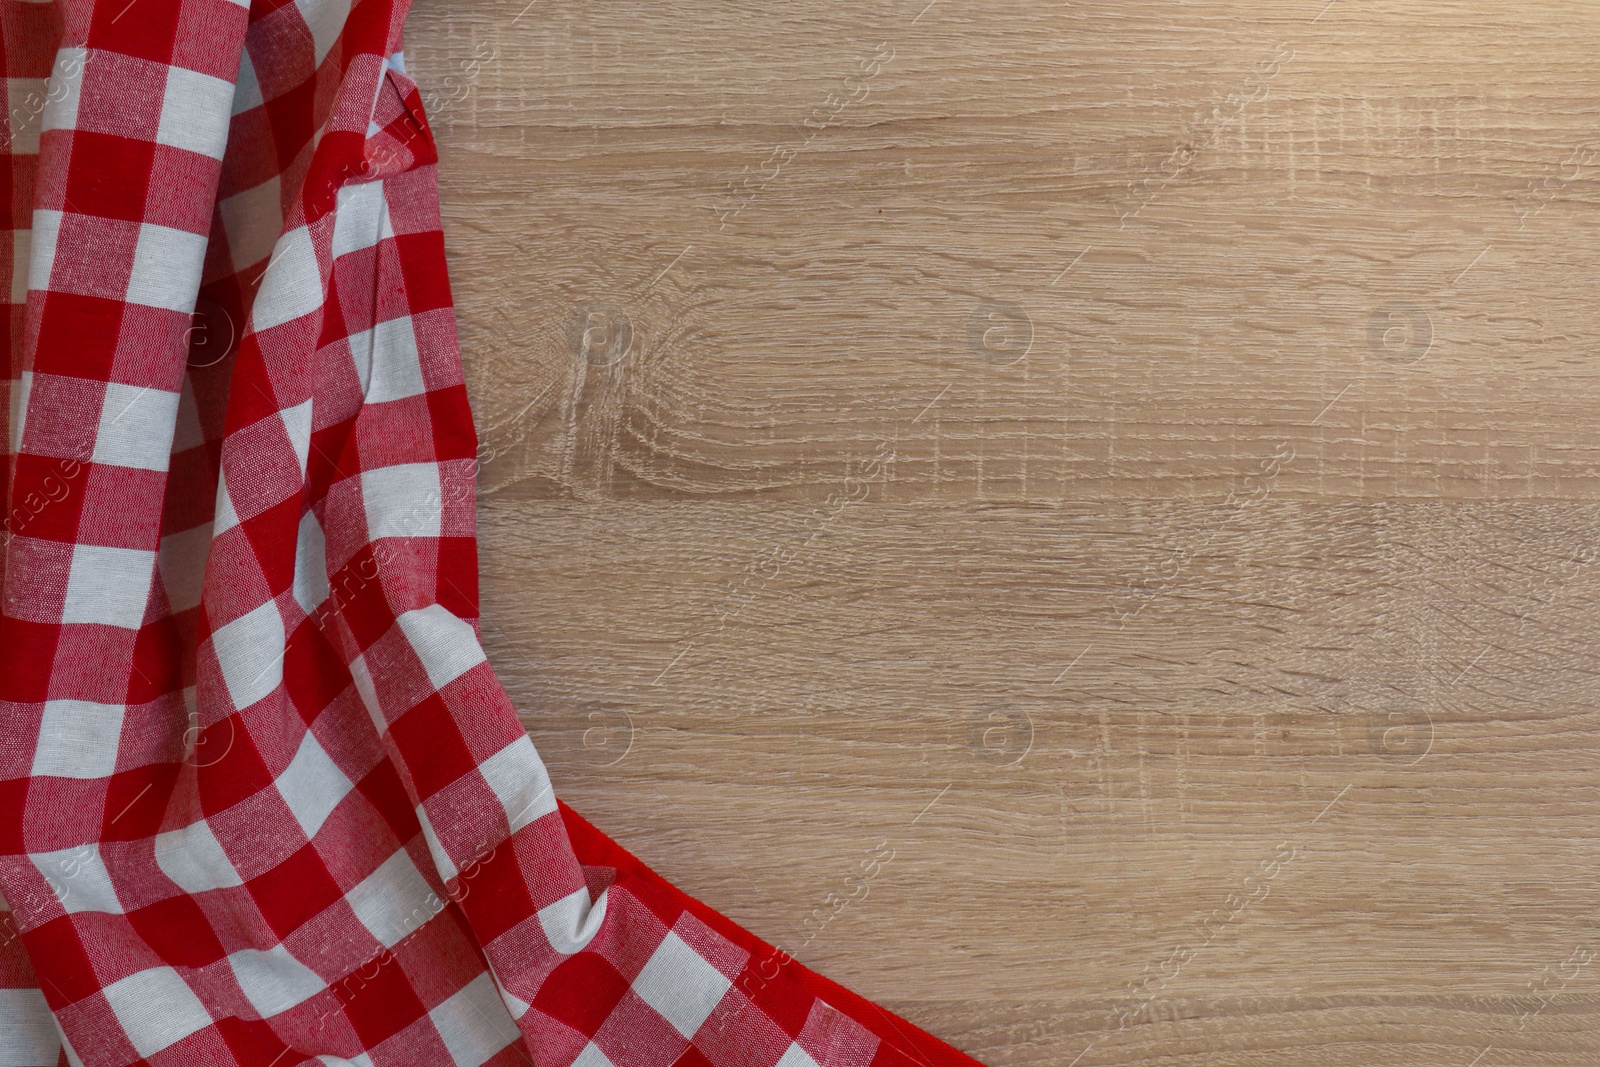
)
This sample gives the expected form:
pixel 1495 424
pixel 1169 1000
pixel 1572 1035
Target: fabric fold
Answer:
pixel 262 798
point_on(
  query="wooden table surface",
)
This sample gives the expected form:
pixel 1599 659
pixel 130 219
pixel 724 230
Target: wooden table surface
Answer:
pixel 1129 472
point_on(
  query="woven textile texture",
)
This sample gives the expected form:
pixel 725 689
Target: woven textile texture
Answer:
pixel 262 800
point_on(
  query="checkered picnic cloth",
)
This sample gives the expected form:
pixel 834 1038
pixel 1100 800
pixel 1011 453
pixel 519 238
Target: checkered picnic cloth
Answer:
pixel 262 800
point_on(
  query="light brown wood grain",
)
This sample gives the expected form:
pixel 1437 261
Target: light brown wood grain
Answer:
pixel 1138 462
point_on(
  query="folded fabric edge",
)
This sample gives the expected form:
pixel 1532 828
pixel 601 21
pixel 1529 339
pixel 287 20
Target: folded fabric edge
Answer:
pixel 594 848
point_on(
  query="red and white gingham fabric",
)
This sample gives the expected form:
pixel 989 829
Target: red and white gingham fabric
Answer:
pixel 262 800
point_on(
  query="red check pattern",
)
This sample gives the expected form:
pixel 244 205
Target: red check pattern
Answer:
pixel 262 800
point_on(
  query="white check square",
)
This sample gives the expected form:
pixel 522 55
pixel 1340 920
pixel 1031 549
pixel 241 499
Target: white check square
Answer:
pixel 246 86
pixel 394 900
pixel 310 564
pixel 193 858
pixel 42 247
pixel 195 112
pixel 78 878
pixel 402 501
pixel 571 922
pixel 387 361
pixel 156 1009
pixel 274 981
pixel 136 427
pixel 312 785
pixel 110 586
pixel 225 518
pixel 297 426
pixel 325 19
pixel 64 90
pixel 474 1023
pixel 680 985
pixel 28 1035
pixel 250 652
pixel 591 1056
pixel 444 643
pixel 441 856
pixel 518 777
pixel 292 285
pixel 20 388
pixel 78 739
pixel 166 268
pixel 362 218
